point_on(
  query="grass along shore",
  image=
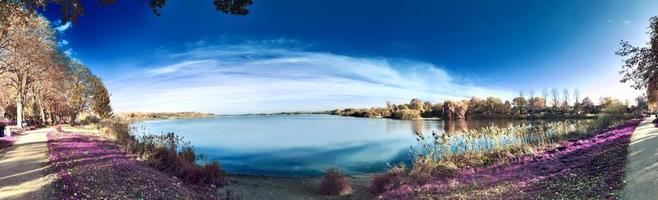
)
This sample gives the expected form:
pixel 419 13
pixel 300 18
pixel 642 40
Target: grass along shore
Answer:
pixel 588 167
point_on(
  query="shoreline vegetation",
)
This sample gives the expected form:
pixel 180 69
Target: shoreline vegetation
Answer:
pixel 588 165
pixel 437 171
pixel 167 153
pixel 496 108
pixel 143 116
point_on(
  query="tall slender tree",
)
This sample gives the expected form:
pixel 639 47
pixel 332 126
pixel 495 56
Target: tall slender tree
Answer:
pixel 556 97
pixel 101 98
pixel 80 89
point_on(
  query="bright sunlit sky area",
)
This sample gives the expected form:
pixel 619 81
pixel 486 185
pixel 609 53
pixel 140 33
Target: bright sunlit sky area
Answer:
pixel 301 55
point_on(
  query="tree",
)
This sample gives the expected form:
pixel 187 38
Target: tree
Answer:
pixel 565 95
pixel 640 64
pixel 80 90
pixel 544 94
pixel 521 94
pixel 608 101
pixel 72 9
pixel 556 97
pixel 587 105
pixel 493 105
pixel 101 98
pixel 427 105
pixel 475 106
pixel 38 80
pixel 538 103
pixel 505 108
pixel 416 104
pixel 518 104
pixel 28 50
pixel 641 102
pixel 455 109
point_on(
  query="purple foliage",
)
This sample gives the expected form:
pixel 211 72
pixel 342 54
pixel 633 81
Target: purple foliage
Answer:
pixel 589 167
pixel 89 167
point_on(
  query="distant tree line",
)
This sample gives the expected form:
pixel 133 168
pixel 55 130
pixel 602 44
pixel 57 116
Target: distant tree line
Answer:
pixel 561 104
pixel 40 82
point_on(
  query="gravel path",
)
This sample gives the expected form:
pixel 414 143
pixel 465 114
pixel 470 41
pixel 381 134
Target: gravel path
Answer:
pixel 23 167
pixel 641 170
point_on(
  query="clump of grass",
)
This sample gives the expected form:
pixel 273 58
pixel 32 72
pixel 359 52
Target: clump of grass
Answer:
pixel 167 152
pixel 335 183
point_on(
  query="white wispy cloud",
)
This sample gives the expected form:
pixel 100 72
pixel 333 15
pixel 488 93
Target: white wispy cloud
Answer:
pixel 63 42
pixel 260 78
pixel 63 27
pixel 68 52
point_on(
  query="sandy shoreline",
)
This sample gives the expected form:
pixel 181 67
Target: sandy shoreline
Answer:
pixel 270 187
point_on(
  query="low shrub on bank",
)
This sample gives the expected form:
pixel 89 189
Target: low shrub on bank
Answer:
pixel 406 114
pixel 168 153
pixel 335 183
pixel 388 180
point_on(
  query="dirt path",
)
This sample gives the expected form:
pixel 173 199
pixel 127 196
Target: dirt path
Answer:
pixel 23 167
pixel 641 170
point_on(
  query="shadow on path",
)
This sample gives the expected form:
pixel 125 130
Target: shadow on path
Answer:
pixel 24 167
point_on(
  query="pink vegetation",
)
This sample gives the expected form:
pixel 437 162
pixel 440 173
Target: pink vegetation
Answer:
pixel 90 168
pixel 586 168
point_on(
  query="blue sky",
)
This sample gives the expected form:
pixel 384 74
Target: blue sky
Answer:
pixel 301 55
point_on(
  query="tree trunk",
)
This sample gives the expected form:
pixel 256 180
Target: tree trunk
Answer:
pixel 42 113
pixel 50 115
pixel 19 110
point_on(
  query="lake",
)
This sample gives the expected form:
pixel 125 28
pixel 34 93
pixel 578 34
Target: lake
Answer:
pixel 306 145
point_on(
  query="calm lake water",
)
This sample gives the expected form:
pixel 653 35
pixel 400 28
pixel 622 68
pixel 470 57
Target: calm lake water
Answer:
pixel 306 145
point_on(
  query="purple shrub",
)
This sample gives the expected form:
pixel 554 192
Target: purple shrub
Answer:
pixel 380 183
pixel 335 183
pixel 388 180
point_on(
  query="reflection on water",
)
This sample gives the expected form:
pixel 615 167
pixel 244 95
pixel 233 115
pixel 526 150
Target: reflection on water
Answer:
pixel 300 145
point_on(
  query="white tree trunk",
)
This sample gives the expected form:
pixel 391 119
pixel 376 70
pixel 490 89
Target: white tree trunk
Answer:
pixel 42 113
pixel 19 110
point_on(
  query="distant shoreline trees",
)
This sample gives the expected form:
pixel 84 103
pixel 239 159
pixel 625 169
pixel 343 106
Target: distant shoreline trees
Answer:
pixel 493 107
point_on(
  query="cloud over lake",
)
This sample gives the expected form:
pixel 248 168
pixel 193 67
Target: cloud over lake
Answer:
pixel 249 78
